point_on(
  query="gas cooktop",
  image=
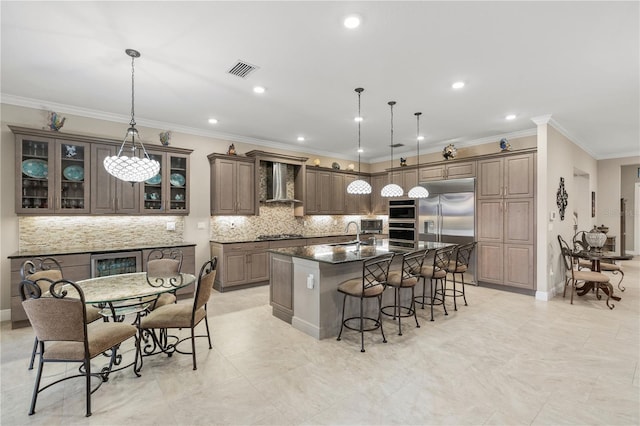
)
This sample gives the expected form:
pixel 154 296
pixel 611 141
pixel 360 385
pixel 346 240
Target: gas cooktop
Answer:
pixel 278 236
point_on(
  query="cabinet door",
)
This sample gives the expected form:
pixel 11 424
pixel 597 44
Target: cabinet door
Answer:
pixel 519 270
pixel 35 172
pixel 519 176
pixel 490 220
pixel 518 221
pixel 409 179
pixel 339 191
pixel 396 177
pixel 72 178
pixel 310 194
pixel 223 197
pixel 103 185
pixel 258 266
pixel 356 203
pixel 490 178
pixel 460 170
pixel 431 173
pixel 378 202
pixel 324 192
pixel 490 262
pixel 244 187
pixel 153 193
pixel 178 192
pixel 281 288
pixel 235 265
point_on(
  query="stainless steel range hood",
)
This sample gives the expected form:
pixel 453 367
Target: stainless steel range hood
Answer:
pixel 277 185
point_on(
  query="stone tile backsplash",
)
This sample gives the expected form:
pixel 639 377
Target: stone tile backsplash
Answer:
pixel 278 219
pixel 42 232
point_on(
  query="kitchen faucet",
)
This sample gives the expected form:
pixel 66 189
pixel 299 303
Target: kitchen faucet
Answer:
pixel 357 233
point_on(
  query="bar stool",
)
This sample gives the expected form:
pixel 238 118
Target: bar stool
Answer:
pixel 405 278
pixel 459 265
pixel 435 272
pixel 375 272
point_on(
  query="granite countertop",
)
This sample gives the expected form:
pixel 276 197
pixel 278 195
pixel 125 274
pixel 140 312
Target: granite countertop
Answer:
pixel 259 240
pixel 340 253
pixel 95 249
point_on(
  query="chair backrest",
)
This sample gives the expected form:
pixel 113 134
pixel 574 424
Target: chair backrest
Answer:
pixel 442 257
pixel 580 241
pixel 42 271
pixel 55 318
pixel 205 284
pixel 164 262
pixel 376 270
pixel 566 253
pixel 412 263
pixel 463 254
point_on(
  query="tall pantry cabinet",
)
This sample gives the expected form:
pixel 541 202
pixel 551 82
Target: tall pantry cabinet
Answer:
pixel 506 220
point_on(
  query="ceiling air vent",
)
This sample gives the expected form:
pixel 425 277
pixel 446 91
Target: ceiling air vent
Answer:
pixel 396 145
pixel 242 69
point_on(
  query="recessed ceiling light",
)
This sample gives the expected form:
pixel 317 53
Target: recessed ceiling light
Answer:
pixel 300 138
pixel 510 117
pixel 360 150
pixel 259 89
pixel 357 119
pixel 420 138
pixel 458 85
pixel 213 121
pixel 352 22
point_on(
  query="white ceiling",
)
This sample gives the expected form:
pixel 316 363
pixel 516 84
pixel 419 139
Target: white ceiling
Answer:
pixel 578 61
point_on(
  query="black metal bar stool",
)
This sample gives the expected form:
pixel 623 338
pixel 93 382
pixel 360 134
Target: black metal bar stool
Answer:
pixel 375 273
pixel 459 264
pixel 405 278
pixel 436 273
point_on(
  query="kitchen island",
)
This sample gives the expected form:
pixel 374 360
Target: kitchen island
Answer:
pixel 304 282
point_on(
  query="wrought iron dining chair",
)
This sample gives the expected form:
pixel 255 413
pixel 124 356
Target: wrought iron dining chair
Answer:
pixel 60 323
pixel 405 278
pixel 180 315
pixel 435 272
pixel 162 263
pixel 573 275
pixel 43 270
pixel 375 274
pixel 459 264
pixel 580 243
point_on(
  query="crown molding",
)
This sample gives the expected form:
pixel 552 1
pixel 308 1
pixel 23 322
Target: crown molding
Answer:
pixel 174 127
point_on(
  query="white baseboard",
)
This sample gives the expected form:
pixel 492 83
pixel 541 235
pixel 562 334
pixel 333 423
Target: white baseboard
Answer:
pixel 5 315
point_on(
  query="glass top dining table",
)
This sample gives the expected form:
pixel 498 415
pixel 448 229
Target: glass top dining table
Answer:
pixel 128 287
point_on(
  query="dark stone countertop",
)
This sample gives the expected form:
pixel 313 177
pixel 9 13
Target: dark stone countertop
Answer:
pixel 302 237
pixel 339 253
pixel 56 251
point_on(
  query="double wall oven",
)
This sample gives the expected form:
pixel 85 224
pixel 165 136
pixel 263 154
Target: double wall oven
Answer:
pixel 402 223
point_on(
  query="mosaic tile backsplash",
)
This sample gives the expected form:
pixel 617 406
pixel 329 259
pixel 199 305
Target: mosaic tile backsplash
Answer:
pixel 279 219
pixel 89 232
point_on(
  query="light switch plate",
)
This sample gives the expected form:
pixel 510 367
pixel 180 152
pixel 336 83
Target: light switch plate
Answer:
pixel 171 226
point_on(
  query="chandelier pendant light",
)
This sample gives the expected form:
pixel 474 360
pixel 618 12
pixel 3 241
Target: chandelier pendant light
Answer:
pixel 418 191
pixel 132 169
pixel 391 189
pixel 359 186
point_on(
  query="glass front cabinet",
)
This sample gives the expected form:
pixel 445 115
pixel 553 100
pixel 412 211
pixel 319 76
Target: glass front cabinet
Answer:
pixel 52 176
pixel 63 174
pixel 168 191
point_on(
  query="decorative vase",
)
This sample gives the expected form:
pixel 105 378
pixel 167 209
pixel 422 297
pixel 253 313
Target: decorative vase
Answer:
pixel 595 239
pixel 449 152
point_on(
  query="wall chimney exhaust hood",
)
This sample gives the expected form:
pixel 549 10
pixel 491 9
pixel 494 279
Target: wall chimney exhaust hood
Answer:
pixel 277 184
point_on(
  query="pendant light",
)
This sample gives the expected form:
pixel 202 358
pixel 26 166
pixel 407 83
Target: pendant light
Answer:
pixel 132 169
pixel 391 190
pixel 418 191
pixel 359 186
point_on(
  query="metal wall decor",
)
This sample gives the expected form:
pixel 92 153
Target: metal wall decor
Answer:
pixel 561 198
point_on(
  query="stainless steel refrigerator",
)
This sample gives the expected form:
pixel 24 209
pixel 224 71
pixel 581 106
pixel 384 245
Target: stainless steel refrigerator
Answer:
pixel 448 214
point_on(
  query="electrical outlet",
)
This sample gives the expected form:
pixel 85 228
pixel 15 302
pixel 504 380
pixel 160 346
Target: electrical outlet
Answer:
pixel 202 225
pixel 171 226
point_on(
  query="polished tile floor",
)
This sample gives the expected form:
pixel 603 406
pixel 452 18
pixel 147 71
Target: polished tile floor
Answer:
pixel 504 359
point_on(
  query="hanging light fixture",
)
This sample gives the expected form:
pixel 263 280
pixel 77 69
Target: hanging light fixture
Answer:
pixel 359 186
pixel 391 190
pixel 132 169
pixel 418 191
